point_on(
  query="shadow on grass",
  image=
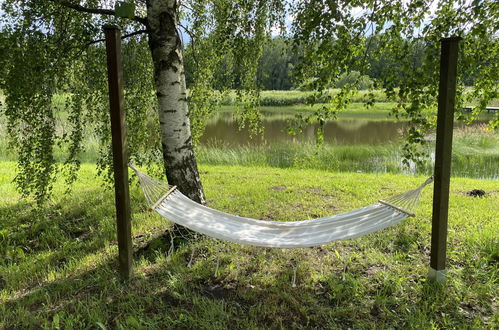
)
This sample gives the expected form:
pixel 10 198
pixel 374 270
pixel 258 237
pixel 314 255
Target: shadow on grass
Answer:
pixel 168 294
pixel 150 295
pixel 52 290
pixel 171 295
pixel 39 240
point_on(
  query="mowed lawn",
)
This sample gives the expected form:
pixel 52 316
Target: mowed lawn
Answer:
pixel 58 264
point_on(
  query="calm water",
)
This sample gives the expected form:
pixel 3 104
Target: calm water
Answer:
pixel 223 128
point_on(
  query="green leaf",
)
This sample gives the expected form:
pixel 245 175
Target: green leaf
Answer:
pixel 124 9
pixel 56 321
pixel 100 325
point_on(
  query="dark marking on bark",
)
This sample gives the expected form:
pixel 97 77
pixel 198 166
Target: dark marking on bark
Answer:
pixel 184 99
pixel 182 148
pixel 186 168
pixel 175 82
pixel 169 111
pixel 163 65
pixel 186 146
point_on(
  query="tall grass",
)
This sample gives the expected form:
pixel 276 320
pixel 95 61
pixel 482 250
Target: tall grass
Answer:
pixel 289 155
pixel 379 111
pixel 475 155
pixel 295 97
pixel 475 150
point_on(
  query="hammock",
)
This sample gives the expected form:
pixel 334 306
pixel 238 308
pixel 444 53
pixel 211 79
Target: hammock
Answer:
pixel 171 204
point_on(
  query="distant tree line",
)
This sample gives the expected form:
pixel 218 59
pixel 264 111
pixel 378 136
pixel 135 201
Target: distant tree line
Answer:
pixel 274 71
pixel 279 58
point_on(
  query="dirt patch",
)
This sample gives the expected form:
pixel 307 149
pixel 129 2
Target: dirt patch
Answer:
pixel 278 188
pixel 374 269
pixel 375 311
pixel 171 300
pixel 78 234
pixel 315 190
pixel 320 252
pixel 319 192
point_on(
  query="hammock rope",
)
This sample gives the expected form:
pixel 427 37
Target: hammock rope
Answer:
pixel 171 204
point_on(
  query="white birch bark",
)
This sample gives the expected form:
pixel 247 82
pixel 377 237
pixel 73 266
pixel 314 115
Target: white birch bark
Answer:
pixel 166 49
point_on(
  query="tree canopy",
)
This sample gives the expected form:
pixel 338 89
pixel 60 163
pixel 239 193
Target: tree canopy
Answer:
pixel 53 49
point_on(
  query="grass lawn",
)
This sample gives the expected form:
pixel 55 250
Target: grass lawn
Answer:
pixel 58 264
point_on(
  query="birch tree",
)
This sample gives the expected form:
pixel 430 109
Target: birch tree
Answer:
pixel 54 50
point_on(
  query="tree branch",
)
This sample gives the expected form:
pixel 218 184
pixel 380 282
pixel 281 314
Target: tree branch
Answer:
pixel 193 43
pixel 122 37
pixel 186 7
pixel 98 11
pixel 189 32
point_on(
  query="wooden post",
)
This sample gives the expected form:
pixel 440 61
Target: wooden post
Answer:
pixel 443 153
pixel 120 153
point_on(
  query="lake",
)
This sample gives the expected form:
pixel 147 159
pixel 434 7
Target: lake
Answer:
pixel 224 129
pixel 351 144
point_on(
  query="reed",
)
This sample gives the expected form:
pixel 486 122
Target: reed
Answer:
pixel 474 156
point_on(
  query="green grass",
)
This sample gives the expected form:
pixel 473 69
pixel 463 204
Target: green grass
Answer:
pixel 355 110
pixel 58 264
pixel 379 111
pixel 296 97
pixel 303 156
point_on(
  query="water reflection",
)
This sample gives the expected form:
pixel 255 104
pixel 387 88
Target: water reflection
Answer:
pixel 224 128
pixel 381 156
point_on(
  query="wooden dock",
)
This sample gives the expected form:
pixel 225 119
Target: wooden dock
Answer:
pixel 489 109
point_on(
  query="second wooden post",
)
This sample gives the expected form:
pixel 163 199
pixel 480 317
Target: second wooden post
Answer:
pixel 443 155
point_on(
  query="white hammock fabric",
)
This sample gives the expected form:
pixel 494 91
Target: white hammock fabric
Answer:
pixel 171 204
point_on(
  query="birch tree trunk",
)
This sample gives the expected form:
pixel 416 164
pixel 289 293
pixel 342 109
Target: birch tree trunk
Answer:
pixel 166 50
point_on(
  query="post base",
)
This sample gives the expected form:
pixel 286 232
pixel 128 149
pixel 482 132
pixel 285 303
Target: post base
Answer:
pixel 439 276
